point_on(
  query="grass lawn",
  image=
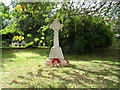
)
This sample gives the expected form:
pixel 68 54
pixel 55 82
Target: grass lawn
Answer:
pixel 24 68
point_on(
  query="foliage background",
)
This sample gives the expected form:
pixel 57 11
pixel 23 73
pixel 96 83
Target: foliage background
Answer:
pixel 86 25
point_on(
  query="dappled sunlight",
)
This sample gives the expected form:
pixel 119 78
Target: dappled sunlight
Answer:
pixel 27 69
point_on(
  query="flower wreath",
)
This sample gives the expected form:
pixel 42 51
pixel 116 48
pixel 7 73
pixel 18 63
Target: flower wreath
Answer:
pixel 55 59
pixel 58 60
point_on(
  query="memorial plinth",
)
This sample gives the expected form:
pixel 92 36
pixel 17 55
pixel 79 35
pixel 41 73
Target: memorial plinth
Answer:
pixel 56 55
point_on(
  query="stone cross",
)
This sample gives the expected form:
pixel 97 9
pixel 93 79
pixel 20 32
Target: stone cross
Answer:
pixel 56 26
pixel 56 51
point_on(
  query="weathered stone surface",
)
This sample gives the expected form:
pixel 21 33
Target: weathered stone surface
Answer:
pixel 56 52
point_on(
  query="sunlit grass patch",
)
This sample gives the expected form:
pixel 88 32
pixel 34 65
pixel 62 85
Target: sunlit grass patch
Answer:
pixel 26 54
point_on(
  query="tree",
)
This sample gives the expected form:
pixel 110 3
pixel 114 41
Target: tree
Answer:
pixel 4 15
pixel 83 26
pixel 80 19
pixel 34 14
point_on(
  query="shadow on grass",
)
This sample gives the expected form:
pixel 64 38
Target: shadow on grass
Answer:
pixel 74 78
pixel 82 79
pixel 7 54
pixel 99 54
pixel 108 54
pixel 108 82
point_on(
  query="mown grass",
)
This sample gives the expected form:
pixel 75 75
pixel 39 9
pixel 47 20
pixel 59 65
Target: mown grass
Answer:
pixel 24 68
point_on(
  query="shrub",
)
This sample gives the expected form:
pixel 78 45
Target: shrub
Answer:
pixel 84 32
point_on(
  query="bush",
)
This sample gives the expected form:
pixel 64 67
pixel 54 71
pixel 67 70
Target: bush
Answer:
pixel 81 33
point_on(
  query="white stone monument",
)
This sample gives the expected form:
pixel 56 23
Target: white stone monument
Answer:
pixel 56 51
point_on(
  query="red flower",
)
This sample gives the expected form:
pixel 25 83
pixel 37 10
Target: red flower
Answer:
pixel 55 59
